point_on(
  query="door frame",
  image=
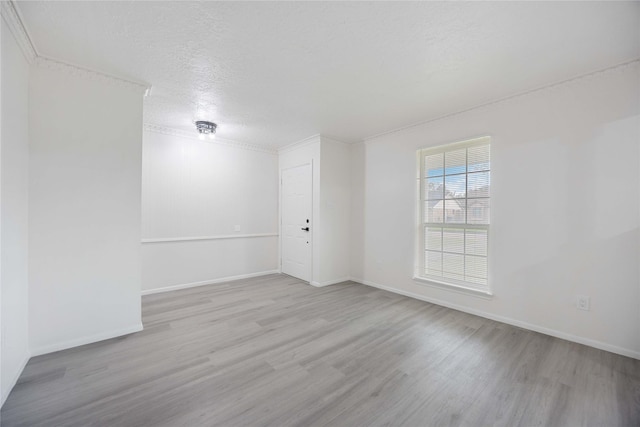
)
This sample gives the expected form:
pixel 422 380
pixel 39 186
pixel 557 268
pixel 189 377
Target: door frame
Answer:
pixel 313 228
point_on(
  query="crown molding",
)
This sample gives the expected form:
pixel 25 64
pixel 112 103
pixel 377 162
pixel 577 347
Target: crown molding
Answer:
pixel 335 140
pixel 312 139
pixel 303 142
pixel 550 87
pixel 12 17
pixel 150 127
pixel 78 71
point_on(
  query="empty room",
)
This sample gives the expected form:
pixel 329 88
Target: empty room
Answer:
pixel 319 213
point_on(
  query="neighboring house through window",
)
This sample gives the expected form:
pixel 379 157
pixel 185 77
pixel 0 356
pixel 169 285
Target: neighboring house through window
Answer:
pixel 454 212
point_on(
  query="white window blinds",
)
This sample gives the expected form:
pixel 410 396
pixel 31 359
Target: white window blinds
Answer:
pixel 455 191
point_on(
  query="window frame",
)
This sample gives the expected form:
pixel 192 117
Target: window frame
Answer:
pixel 419 266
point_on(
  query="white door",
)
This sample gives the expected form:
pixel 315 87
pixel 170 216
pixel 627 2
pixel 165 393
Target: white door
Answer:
pixel 296 222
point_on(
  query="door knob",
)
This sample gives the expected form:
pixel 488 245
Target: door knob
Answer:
pixel 305 229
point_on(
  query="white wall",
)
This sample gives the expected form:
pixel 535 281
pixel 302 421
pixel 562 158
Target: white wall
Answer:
pixel 357 214
pixel 335 212
pixel 14 169
pixel 565 209
pixel 198 192
pixel 84 208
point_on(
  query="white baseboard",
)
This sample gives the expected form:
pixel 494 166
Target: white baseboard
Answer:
pixel 525 325
pixel 86 340
pixel 330 282
pixel 207 282
pixel 16 376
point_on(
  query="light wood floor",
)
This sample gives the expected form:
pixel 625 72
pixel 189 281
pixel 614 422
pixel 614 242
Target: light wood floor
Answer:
pixel 272 351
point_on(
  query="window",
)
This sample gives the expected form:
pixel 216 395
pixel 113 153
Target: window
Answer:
pixel 454 212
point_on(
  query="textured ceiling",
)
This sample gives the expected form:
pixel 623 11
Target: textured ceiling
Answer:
pixel 274 73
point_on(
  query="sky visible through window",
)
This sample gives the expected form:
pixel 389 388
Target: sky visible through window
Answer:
pixel 456 213
pixel 456 184
pixel 453 178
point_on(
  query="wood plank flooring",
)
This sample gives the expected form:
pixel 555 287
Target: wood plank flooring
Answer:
pixel 273 351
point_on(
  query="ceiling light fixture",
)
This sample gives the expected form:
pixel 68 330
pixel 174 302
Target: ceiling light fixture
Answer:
pixel 206 128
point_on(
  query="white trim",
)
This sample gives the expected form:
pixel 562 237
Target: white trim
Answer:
pixel 330 282
pixel 164 130
pixel 79 71
pixel 453 287
pixel 298 144
pixel 330 138
pixel 591 74
pixel 280 216
pixel 310 140
pixel 11 16
pixel 16 376
pixel 455 145
pixel 207 282
pixel 312 218
pixel 422 224
pixel 219 237
pixel 525 325
pixel 86 340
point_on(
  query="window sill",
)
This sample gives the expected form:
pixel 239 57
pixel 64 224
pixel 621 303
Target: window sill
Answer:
pixel 453 287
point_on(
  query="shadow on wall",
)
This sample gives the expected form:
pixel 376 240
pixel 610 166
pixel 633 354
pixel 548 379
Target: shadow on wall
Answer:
pixel 565 206
pixel 358 211
pixel 548 289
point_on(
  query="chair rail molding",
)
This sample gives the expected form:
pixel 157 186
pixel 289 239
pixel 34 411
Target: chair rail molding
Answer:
pixel 218 237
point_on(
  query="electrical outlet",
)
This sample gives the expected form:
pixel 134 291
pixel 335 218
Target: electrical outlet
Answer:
pixel 236 228
pixel 583 302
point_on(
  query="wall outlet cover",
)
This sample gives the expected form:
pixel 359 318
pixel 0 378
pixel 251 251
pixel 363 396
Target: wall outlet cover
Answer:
pixel 583 302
